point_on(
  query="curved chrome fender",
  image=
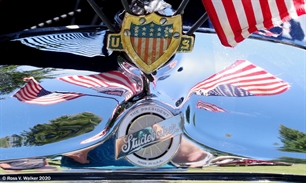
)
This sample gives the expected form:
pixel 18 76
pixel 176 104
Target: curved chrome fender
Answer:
pixel 254 126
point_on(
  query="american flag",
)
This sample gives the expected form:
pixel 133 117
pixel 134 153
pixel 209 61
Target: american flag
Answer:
pixel 34 93
pixel 150 40
pixel 209 107
pixel 235 20
pixel 113 82
pixel 240 79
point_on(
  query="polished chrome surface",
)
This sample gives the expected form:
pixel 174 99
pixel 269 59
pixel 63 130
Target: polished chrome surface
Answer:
pixel 254 127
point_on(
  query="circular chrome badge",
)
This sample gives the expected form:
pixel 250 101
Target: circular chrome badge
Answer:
pixel 138 119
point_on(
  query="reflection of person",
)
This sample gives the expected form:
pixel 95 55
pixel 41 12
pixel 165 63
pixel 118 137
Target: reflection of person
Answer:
pixel 188 155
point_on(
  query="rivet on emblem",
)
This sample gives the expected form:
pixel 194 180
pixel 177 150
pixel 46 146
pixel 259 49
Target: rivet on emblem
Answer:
pixel 163 21
pixel 176 35
pixel 142 20
pixel 127 32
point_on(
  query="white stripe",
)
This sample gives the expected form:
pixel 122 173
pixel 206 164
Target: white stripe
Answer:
pixel 243 21
pixel 76 81
pixel 263 87
pixel 157 46
pixel 32 88
pixel 135 42
pixel 269 91
pixel 143 47
pixel 150 59
pixel 52 99
pixel 291 9
pixel 258 15
pixel 276 19
pixel 126 83
pixel 239 79
pixel 232 70
pixel 113 84
pixel 27 93
pixel 165 45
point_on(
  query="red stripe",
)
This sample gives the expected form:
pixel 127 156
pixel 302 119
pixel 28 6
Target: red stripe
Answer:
pixel 114 79
pixel 123 77
pixel 250 15
pixel 146 51
pixel 117 81
pixel 257 80
pixel 282 9
pixel 168 42
pixel 262 90
pixel 300 7
pixel 34 87
pixel 227 81
pixel 55 100
pixel 233 19
pixel 249 67
pixel 258 84
pixel 81 79
pixel 209 107
pixel 154 50
pixel 27 91
pixel 23 94
pixel 242 82
pixel 108 81
pixel 30 90
pixel 28 94
pixel 161 50
pixel 215 20
pixel 91 79
pixel 272 93
pixel 161 47
pixel 266 12
pixel 139 46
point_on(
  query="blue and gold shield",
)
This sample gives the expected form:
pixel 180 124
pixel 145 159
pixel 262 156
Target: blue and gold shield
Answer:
pixel 150 40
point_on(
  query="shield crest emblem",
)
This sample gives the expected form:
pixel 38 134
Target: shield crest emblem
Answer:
pixel 150 40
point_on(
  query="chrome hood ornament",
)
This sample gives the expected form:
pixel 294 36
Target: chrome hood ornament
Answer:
pixel 159 106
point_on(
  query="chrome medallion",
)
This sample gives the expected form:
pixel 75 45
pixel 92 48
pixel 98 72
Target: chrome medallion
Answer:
pixel 150 40
pixel 149 135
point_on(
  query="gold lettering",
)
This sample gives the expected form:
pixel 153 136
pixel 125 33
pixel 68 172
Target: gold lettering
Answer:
pixel 185 44
pixel 115 42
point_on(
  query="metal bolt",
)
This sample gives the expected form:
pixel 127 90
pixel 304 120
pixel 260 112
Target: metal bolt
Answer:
pixel 127 32
pixel 176 35
pixel 163 21
pixel 142 20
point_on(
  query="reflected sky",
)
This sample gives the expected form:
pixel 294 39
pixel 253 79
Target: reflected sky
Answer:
pixel 252 122
pixel 16 116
